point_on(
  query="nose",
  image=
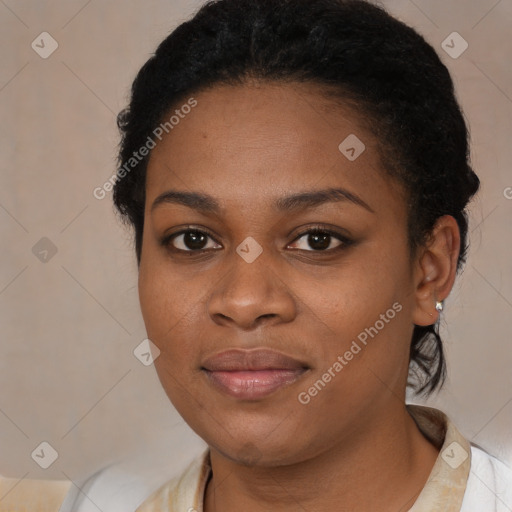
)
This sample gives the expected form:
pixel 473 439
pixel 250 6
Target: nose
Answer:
pixel 251 294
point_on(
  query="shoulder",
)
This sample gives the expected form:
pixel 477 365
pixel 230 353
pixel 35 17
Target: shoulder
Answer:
pixel 124 484
pixel 162 498
pixel 33 495
pixel 489 485
pixel 112 489
pixel 184 493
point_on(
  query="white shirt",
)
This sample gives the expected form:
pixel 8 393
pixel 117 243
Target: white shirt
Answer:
pixel 464 478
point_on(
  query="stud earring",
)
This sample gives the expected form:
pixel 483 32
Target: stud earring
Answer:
pixel 439 306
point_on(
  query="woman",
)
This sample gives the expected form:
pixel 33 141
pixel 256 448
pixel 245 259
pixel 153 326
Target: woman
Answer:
pixel 297 174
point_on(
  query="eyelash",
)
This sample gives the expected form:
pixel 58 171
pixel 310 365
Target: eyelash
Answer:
pixel 345 242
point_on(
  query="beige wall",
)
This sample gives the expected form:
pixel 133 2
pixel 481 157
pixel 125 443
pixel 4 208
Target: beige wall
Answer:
pixel 69 326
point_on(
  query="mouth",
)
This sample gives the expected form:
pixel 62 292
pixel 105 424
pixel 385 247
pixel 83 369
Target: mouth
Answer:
pixel 252 374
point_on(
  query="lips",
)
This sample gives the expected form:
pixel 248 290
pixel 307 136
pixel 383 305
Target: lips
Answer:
pixel 252 374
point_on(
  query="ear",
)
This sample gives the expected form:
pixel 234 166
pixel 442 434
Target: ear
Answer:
pixel 435 270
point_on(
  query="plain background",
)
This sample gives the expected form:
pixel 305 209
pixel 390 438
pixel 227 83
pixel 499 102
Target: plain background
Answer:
pixel 69 325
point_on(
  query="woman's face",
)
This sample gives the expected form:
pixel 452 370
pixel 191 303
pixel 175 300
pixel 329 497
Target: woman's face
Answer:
pixel 250 168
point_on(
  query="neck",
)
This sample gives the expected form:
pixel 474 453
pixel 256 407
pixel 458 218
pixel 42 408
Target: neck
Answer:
pixel 384 466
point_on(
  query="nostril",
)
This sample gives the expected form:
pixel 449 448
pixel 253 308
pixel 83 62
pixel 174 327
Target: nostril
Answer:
pixel 267 315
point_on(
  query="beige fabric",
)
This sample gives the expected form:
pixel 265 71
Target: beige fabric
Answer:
pixel 444 489
pixel 447 481
pixel 32 495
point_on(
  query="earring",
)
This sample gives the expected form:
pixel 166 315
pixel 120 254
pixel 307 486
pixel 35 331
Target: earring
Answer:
pixel 439 306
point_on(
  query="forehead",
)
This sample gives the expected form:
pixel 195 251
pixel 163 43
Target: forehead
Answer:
pixel 260 140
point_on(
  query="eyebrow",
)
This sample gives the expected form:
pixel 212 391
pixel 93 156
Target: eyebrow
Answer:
pixel 201 202
pixel 205 203
pixel 313 198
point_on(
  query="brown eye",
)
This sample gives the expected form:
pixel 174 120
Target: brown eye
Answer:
pixel 319 240
pixel 191 240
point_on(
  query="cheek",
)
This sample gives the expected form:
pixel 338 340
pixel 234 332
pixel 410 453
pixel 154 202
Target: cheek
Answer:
pixel 352 296
pixel 170 310
pixel 170 307
pixel 364 310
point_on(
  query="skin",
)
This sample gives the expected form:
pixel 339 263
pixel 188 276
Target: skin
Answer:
pixel 247 146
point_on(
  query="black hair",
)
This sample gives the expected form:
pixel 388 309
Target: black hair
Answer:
pixel 353 47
